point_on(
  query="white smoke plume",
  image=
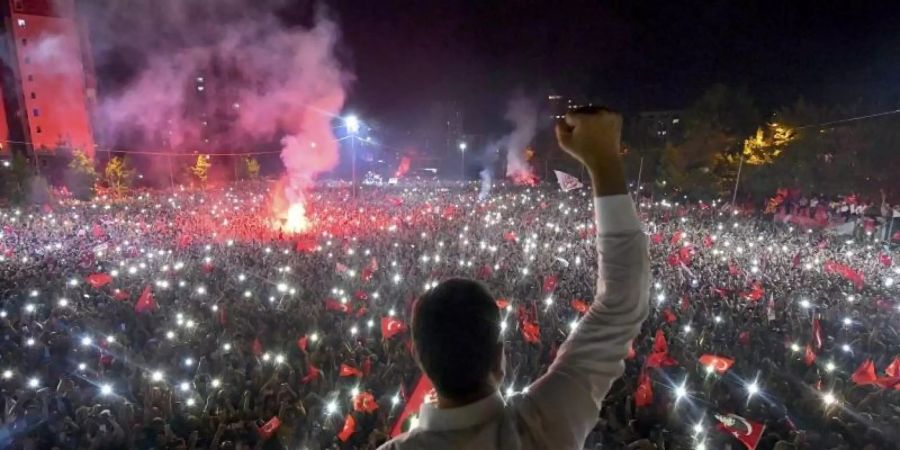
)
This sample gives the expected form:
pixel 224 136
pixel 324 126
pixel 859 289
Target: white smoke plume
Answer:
pixel 522 113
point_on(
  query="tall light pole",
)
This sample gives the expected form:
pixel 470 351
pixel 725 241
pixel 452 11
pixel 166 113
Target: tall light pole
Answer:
pixel 462 166
pixel 352 124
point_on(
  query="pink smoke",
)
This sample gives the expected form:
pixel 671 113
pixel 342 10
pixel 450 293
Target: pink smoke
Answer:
pixel 268 81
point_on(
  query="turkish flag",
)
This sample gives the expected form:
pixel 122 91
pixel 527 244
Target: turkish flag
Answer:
pixel 311 374
pixel 98 280
pixel 120 295
pixel 579 305
pixel 502 303
pixel 707 242
pixel 676 237
pixel 97 231
pixel 340 268
pixel 256 347
pixel 643 395
pixel 720 364
pixel 656 238
pixel 334 305
pixel 885 260
pixel 817 333
pixel 668 316
pixel 349 371
pixel 391 327
pixel 303 343
pixel 145 302
pixel 549 283
pixel 485 272
pixel 893 370
pixel 809 357
pixel 746 431
pixel 659 356
pixel 348 429
pixel 510 236
pixel 865 374
pixel 844 271
pixel 659 343
pixel 755 293
pixel 365 402
pixel 531 332
pixel 733 269
pixel 269 428
pixel 413 403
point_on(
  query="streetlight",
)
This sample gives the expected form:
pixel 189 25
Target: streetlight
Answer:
pixel 352 124
pixel 462 153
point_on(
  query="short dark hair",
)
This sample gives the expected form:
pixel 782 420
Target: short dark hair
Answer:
pixel 456 329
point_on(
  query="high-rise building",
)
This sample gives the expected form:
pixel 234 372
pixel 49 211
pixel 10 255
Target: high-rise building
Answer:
pixel 47 93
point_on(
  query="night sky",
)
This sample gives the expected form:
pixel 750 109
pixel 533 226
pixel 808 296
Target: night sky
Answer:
pixel 634 55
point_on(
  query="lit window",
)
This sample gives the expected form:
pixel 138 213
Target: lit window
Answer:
pixel 21 22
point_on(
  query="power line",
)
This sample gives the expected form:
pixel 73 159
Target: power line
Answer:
pixel 850 119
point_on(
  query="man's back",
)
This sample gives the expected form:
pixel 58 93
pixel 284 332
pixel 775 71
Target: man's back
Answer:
pixel 560 409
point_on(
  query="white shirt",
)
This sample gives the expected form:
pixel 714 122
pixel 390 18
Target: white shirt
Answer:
pixel 561 407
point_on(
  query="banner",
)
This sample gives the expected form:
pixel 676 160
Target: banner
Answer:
pixel 567 182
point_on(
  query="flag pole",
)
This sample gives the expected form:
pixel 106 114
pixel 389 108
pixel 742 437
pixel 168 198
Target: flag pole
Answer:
pixel 737 180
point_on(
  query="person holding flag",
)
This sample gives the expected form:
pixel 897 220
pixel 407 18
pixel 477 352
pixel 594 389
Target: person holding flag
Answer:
pixel 457 339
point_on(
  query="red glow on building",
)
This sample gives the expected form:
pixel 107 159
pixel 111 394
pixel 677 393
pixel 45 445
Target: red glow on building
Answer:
pixel 48 78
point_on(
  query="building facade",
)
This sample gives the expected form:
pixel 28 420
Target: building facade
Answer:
pixel 48 89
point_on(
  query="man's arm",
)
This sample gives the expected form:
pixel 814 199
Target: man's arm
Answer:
pixel 563 406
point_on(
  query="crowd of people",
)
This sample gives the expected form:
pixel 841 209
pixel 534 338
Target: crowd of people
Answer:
pixel 189 320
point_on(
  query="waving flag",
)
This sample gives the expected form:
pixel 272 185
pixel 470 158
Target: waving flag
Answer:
pixel 334 305
pixel 817 333
pixel 865 373
pixel 643 395
pixel 845 271
pixel 419 395
pixel 579 305
pixel 885 260
pixel 269 428
pixel 365 402
pixel 348 429
pixel 391 327
pixel 659 356
pixel 312 373
pixel 98 280
pixel 145 302
pixel 893 370
pixel 720 364
pixel 502 303
pixel 256 347
pixel 746 431
pixel 303 343
pixel 809 356
pixel 567 182
pixel 347 370
pixel 550 283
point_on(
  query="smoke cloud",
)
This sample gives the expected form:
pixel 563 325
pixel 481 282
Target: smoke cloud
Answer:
pixel 228 76
pixel 522 113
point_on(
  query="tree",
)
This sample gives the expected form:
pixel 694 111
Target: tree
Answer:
pixel 119 176
pixel 716 126
pixel 15 179
pixel 80 176
pixel 200 169
pixel 252 167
